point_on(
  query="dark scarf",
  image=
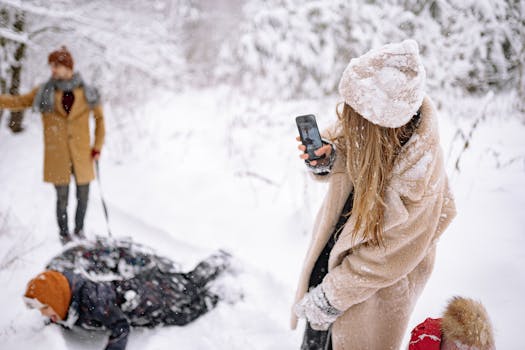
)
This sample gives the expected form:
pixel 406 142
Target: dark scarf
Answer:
pixel 45 98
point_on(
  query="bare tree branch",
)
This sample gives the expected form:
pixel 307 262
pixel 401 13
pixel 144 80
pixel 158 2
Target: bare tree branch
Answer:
pixel 468 138
pixel 249 173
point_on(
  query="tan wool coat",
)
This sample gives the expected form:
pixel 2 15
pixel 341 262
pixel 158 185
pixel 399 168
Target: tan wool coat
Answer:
pixel 67 140
pixel 377 287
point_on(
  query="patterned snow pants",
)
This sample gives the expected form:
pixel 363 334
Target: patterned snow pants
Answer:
pixel 169 298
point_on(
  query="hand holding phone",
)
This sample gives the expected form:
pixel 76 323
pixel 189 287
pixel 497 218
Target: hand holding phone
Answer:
pixel 324 152
pixel 310 138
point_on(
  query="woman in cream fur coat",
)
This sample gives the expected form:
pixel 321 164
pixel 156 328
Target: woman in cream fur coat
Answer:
pixel 374 239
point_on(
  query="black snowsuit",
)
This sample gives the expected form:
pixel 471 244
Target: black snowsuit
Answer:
pixel 153 296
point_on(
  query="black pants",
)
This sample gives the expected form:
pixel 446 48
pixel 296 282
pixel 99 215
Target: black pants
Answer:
pixel 62 199
pixel 312 339
pixel 322 340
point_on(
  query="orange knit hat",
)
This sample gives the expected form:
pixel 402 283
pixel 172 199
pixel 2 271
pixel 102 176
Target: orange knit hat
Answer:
pixel 51 288
pixel 61 56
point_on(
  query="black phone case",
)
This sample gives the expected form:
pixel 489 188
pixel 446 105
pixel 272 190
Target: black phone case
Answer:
pixel 310 136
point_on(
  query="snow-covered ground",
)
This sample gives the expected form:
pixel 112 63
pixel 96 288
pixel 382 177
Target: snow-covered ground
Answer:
pixel 205 170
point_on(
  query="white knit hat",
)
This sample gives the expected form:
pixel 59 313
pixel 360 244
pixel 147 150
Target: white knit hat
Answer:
pixel 385 85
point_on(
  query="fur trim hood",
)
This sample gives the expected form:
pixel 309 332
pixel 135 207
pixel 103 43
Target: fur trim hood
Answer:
pixel 466 321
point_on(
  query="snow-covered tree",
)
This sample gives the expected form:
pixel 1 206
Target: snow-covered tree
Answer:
pixel 126 49
pixel 292 48
pixel 12 54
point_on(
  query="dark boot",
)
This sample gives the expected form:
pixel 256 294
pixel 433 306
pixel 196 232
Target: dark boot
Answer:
pixel 208 269
pixel 79 234
pixel 64 237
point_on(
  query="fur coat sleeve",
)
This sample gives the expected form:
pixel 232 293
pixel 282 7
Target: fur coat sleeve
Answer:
pixel 339 163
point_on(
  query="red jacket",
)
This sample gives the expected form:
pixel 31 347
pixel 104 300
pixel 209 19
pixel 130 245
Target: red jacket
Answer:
pixel 426 335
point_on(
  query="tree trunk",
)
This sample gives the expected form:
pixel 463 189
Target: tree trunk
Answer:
pixel 3 89
pixel 4 18
pixel 15 122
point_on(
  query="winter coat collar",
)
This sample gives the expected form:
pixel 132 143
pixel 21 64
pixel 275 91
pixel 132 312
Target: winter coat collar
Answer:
pixel 75 283
pixel 411 171
pixel 45 98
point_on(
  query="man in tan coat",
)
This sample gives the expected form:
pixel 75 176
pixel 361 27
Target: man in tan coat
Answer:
pixel 368 290
pixel 66 104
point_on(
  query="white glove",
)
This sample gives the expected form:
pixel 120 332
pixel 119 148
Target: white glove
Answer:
pixel 317 309
pixel 324 165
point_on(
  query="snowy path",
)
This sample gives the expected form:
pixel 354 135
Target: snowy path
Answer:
pixel 159 205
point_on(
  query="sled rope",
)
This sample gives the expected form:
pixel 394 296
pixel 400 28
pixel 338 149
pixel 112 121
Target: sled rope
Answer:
pixel 102 198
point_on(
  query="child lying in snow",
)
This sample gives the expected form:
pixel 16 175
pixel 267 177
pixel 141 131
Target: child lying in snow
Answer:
pixel 465 326
pixel 152 297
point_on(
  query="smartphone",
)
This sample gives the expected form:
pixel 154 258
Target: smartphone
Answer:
pixel 310 136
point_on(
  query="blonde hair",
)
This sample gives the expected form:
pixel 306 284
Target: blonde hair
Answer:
pixel 370 152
